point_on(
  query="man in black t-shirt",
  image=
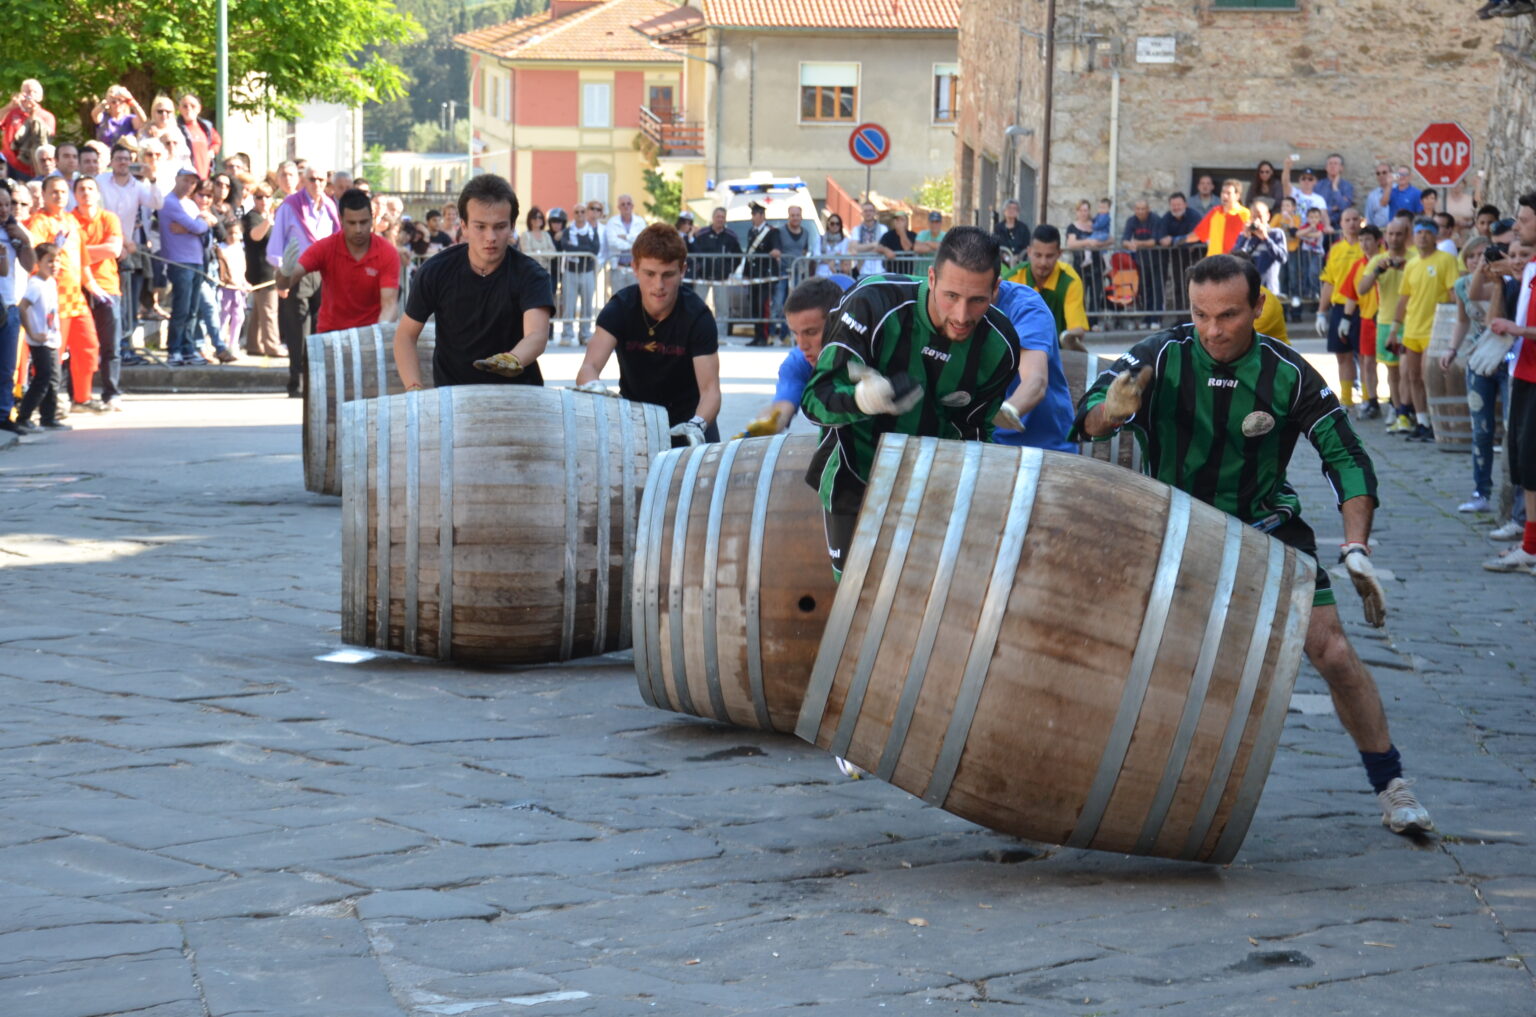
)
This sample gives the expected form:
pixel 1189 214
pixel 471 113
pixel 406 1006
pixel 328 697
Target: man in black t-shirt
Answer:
pixel 665 339
pixel 493 304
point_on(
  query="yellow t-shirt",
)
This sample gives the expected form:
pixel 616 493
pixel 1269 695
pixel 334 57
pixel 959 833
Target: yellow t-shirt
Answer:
pixel 1271 320
pixel 1427 281
pixel 1340 256
pixel 1389 285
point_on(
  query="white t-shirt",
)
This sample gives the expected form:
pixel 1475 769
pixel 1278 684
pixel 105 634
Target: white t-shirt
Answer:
pixel 125 201
pixel 42 311
pixel 1305 201
pixel 1448 246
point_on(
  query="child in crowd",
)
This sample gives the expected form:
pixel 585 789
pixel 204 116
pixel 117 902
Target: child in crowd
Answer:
pixel 1288 222
pixel 232 285
pixel 40 320
pixel 1101 222
pixel 1310 238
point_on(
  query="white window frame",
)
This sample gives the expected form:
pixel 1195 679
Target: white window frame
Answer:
pixel 591 105
pixel 506 97
pixel 952 67
pixel 594 187
pixel 858 93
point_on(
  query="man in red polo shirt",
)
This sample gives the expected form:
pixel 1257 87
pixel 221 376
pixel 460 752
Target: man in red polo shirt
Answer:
pixel 361 270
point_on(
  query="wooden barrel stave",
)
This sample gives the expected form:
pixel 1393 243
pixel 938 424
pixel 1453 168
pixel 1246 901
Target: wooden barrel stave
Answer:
pixel 532 524
pixel 354 363
pixel 727 629
pixel 1447 390
pixel 1047 660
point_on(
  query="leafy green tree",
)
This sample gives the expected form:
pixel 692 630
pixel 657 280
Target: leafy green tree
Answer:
pixel 665 196
pixel 373 166
pixel 937 193
pixel 426 136
pixel 281 52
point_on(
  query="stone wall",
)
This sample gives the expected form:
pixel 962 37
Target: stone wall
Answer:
pixel 1511 150
pixel 1359 78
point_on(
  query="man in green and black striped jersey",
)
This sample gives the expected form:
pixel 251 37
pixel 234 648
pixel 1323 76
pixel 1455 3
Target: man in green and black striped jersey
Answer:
pixel 1218 410
pixel 915 356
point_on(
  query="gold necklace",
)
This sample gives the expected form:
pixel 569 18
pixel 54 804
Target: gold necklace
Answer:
pixel 650 326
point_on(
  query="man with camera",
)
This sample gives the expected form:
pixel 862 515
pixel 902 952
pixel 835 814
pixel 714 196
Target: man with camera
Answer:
pixel 1264 244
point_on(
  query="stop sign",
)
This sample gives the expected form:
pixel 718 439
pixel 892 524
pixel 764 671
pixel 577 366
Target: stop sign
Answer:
pixel 1442 154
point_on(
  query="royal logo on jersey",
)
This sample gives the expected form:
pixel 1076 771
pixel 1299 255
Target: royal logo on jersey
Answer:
pixel 1221 382
pixel 857 326
pixel 1129 361
pixel 929 351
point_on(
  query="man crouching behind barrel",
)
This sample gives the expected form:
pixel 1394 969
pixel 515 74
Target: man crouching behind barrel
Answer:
pixel 928 357
pixel 493 304
pixel 664 335
pixel 1218 410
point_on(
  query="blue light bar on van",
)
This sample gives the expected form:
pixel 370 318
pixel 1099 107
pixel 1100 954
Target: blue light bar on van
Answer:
pixel 767 187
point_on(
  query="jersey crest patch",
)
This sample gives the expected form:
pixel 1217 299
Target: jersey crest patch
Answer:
pixel 956 399
pixel 1257 423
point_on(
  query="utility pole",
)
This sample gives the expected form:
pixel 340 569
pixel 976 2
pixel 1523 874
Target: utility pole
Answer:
pixel 221 105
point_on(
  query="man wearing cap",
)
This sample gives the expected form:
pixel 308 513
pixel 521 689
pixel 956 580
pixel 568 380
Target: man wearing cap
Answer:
pixel 684 226
pixel 760 261
pixel 1304 190
pixel 795 242
pixel 928 240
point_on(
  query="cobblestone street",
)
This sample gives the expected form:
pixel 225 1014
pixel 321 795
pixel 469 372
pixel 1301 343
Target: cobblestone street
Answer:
pixel 211 807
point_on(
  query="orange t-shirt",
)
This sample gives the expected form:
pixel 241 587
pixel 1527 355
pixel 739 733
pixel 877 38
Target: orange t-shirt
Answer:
pixel 63 230
pixel 101 231
pixel 1220 229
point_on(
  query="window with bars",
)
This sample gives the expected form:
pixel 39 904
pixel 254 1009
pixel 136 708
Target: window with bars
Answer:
pixel 829 93
pixel 946 93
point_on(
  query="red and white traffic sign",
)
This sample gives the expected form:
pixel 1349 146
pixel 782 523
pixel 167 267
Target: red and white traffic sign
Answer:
pixel 869 143
pixel 1442 154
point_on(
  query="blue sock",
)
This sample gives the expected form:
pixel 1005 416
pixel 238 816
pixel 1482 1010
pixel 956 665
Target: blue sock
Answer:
pixel 1381 768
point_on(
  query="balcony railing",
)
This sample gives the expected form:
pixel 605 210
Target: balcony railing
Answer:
pixel 670 133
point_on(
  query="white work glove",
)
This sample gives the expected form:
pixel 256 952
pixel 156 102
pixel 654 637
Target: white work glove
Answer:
pixel 597 387
pixel 1321 324
pixel 1357 561
pixel 692 430
pixel 1008 418
pixel 290 257
pixel 1123 399
pixel 1344 328
pixel 874 394
pixel 1487 357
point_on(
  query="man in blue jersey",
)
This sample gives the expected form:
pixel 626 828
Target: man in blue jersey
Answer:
pixel 805 312
pixel 1037 410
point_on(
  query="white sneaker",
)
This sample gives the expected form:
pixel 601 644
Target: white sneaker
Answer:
pixel 1476 503
pixel 1401 811
pixel 1509 531
pixel 849 770
pixel 1516 559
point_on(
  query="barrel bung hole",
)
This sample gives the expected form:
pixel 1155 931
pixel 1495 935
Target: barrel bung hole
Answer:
pixel 807 604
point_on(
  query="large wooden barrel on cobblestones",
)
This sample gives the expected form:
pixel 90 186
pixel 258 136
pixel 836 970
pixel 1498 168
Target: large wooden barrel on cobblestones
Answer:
pixel 1059 650
pixel 732 581
pixel 493 523
pixel 354 363
pixel 1447 389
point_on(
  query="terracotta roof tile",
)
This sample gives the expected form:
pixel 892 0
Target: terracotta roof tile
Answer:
pixel 941 15
pixel 600 33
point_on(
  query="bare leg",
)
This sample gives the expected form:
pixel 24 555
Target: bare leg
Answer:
pixel 1354 690
pixel 1413 376
pixel 1368 379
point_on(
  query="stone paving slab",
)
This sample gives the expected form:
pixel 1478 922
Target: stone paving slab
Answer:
pixel 199 816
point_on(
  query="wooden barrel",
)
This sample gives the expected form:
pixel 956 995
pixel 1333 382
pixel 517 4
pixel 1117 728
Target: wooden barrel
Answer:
pixel 1447 390
pixel 732 582
pixel 1059 650
pixel 354 363
pixel 493 523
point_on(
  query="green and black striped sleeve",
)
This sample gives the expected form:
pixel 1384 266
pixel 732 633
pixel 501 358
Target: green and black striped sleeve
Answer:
pixel 1144 354
pixel 1317 414
pixel 850 335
